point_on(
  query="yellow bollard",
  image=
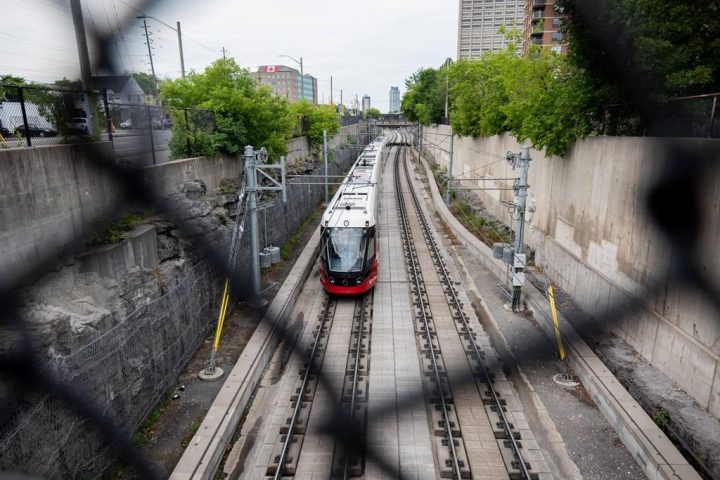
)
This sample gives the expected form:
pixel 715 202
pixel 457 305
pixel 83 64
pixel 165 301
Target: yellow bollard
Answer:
pixel 221 316
pixel 551 297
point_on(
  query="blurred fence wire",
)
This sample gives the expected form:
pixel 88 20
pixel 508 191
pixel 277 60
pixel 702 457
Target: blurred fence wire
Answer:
pixel 32 392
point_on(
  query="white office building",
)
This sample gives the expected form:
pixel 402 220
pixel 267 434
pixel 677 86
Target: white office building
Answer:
pixel 480 22
pixel 365 103
pixel 394 100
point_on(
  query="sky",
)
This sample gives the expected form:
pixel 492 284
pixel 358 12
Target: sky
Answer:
pixel 367 46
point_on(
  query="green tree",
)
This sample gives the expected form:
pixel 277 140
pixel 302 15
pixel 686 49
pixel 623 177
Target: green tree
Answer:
pixel 372 113
pixel 146 82
pixel 424 99
pixel 245 114
pixel 10 94
pixel 649 48
pixel 540 97
pixel 315 120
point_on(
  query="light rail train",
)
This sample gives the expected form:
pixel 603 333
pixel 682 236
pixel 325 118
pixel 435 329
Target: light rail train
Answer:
pixel 349 253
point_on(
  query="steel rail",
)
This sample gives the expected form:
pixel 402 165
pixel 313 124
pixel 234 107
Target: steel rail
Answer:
pixel 414 264
pixel 476 350
pixel 331 306
pixel 361 320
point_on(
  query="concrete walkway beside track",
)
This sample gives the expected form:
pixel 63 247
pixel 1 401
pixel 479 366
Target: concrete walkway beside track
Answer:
pixel 204 453
pixel 650 447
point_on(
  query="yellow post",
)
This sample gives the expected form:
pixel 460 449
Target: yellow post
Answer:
pixel 221 316
pixel 551 297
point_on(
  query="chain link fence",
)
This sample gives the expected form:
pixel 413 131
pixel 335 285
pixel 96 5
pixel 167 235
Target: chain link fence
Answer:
pixel 142 134
pixel 33 394
pixel 694 116
pixel 133 363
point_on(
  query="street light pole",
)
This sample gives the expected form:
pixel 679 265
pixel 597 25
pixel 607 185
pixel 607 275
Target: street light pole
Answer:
pixel 182 59
pixel 302 73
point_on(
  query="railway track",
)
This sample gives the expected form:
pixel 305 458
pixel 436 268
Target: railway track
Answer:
pixel 452 456
pixel 284 461
pixel 300 444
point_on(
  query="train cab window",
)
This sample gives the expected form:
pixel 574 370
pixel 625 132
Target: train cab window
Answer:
pixel 345 249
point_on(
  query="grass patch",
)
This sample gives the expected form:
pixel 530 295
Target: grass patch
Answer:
pixel 487 230
pixel 147 430
pixel 191 433
pixel 116 230
pixel 287 247
pixel 661 417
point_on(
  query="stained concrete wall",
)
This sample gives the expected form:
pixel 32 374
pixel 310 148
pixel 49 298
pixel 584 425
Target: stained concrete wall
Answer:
pixel 592 237
pixel 48 197
pixel 51 196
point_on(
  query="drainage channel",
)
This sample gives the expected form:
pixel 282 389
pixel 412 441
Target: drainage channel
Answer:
pixel 507 436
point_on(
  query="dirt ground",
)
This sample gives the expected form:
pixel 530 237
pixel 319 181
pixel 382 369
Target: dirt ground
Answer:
pixel 171 426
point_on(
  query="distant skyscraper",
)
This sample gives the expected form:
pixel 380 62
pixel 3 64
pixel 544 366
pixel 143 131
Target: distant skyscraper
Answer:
pixel 394 100
pixel 365 102
pixel 480 21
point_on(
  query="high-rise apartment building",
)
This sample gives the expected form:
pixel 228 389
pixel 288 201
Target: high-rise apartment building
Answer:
pixel 365 103
pixel 480 22
pixel 394 100
pixel 287 82
pixel 542 26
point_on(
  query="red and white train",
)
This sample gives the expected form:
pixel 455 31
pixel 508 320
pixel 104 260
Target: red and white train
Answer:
pixel 349 252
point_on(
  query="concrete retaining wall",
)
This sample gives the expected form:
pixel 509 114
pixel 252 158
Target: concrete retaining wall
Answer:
pixel 48 197
pixel 166 177
pixel 593 239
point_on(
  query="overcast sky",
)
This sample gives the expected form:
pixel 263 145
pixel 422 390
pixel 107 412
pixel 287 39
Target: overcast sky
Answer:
pixel 366 45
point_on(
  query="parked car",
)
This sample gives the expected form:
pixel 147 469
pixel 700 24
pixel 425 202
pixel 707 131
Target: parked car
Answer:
pixel 79 125
pixel 4 131
pixel 167 123
pixel 126 124
pixel 157 124
pixel 36 131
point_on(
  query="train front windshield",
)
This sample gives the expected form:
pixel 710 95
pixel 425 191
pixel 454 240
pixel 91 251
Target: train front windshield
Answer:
pixel 344 249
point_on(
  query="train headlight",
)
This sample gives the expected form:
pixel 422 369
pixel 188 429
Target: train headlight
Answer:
pixel 332 280
pixel 359 280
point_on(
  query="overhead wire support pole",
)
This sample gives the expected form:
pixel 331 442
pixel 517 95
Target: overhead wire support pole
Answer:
pixel 182 58
pixel 450 170
pixel 325 159
pixel 254 164
pixel 518 266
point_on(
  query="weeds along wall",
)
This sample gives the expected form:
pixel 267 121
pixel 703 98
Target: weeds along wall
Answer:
pixel 592 237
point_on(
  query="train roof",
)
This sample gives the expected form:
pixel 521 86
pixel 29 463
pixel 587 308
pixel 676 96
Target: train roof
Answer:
pixel 354 203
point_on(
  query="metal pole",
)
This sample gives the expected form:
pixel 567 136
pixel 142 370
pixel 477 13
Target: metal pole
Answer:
pixel 250 188
pixel 325 158
pixel 420 139
pixel 24 115
pixel 108 120
pixel 150 128
pixel 80 38
pixel 152 65
pixel 182 58
pixel 518 258
pixel 712 116
pixel 302 80
pixel 450 169
pixel 521 198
